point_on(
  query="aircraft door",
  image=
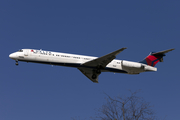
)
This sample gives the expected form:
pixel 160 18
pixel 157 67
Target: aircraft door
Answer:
pixel 25 52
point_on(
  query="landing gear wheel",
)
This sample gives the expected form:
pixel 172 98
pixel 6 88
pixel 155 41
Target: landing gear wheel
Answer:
pixel 98 71
pixel 17 62
pixel 94 76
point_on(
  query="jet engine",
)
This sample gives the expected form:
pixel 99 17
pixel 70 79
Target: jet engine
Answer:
pixel 135 67
pixel 132 67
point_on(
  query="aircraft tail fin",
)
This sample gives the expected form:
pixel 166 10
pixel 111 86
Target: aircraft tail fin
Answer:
pixel 154 57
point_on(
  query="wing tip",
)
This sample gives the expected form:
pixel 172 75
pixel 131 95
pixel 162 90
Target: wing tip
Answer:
pixel 122 48
pixel 95 82
pixel 172 49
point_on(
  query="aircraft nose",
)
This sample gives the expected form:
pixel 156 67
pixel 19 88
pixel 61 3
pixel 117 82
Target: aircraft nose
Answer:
pixel 12 55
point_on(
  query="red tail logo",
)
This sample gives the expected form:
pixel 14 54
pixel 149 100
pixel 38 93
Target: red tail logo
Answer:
pixel 152 60
pixel 155 57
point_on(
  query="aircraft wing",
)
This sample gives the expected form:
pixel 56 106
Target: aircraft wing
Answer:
pixel 104 60
pixel 98 63
pixel 88 73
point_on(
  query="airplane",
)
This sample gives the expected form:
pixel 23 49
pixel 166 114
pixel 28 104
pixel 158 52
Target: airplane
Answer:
pixel 90 66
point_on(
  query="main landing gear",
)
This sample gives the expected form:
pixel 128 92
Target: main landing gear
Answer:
pixel 96 72
pixel 94 76
pixel 17 62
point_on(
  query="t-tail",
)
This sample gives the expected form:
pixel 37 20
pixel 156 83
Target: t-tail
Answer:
pixel 154 57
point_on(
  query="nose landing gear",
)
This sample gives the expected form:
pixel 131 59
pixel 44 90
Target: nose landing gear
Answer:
pixel 17 62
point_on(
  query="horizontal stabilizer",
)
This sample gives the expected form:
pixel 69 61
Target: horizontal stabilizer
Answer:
pixel 162 52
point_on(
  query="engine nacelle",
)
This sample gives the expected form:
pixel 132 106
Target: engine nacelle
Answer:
pixel 135 67
pixel 132 67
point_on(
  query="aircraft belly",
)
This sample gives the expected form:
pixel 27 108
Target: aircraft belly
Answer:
pixel 115 70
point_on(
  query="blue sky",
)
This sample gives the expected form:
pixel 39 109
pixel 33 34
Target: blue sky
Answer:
pixel 35 91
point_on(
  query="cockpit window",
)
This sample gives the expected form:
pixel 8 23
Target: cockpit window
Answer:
pixel 20 50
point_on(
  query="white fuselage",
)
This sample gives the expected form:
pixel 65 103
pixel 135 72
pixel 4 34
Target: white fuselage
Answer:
pixel 73 60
